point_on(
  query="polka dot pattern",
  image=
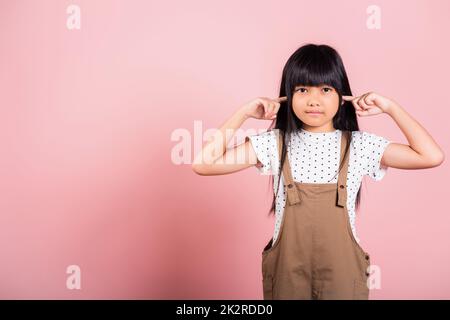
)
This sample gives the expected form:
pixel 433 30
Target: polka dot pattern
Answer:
pixel 314 158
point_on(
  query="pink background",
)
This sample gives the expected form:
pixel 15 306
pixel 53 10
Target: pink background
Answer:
pixel 86 122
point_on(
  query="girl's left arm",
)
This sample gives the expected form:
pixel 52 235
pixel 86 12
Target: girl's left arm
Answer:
pixel 422 151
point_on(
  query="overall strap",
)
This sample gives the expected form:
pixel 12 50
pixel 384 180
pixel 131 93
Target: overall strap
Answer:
pixel 342 175
pixel 293 195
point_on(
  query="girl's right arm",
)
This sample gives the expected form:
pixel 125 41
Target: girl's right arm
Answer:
pixel 216 159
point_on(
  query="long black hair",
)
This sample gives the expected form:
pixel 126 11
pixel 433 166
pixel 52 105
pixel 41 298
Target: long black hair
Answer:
pixel 313 65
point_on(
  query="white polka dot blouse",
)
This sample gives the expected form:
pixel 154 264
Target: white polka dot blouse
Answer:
pixel 314 158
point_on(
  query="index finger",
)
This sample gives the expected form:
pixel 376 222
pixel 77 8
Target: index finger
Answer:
pixel 348 98
pixel 281 99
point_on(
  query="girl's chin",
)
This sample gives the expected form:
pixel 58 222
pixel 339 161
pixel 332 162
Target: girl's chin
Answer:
pixel 313 120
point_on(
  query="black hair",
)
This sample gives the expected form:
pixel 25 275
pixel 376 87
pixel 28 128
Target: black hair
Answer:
pixel 313 65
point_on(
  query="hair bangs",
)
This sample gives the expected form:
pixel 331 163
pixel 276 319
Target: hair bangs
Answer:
pixel 313 69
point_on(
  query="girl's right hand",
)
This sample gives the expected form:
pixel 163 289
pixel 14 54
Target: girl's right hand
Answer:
pixel 263 108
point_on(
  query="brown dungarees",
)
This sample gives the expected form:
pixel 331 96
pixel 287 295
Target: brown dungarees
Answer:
pixel 315 255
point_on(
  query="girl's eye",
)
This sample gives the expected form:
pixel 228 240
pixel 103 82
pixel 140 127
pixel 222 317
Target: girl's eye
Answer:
pixel 304 89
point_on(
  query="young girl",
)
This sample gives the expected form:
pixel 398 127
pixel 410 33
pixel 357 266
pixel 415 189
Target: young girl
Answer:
pixel 316 153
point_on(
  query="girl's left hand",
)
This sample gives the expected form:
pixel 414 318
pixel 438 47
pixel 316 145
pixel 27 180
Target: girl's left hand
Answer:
pixel 369 104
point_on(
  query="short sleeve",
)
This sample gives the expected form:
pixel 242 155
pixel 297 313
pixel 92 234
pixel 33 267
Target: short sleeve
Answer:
pixel 265 148
pixel 373 149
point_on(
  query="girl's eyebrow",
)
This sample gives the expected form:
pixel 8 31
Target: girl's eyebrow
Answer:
pixel 322 85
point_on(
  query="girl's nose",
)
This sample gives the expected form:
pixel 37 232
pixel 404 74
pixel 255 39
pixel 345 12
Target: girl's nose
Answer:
pixel 313 103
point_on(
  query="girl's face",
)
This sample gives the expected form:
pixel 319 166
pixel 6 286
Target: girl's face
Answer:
pixel 315 106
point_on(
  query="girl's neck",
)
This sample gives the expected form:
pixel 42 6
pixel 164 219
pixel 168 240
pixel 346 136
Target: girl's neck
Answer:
pixel 320 129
